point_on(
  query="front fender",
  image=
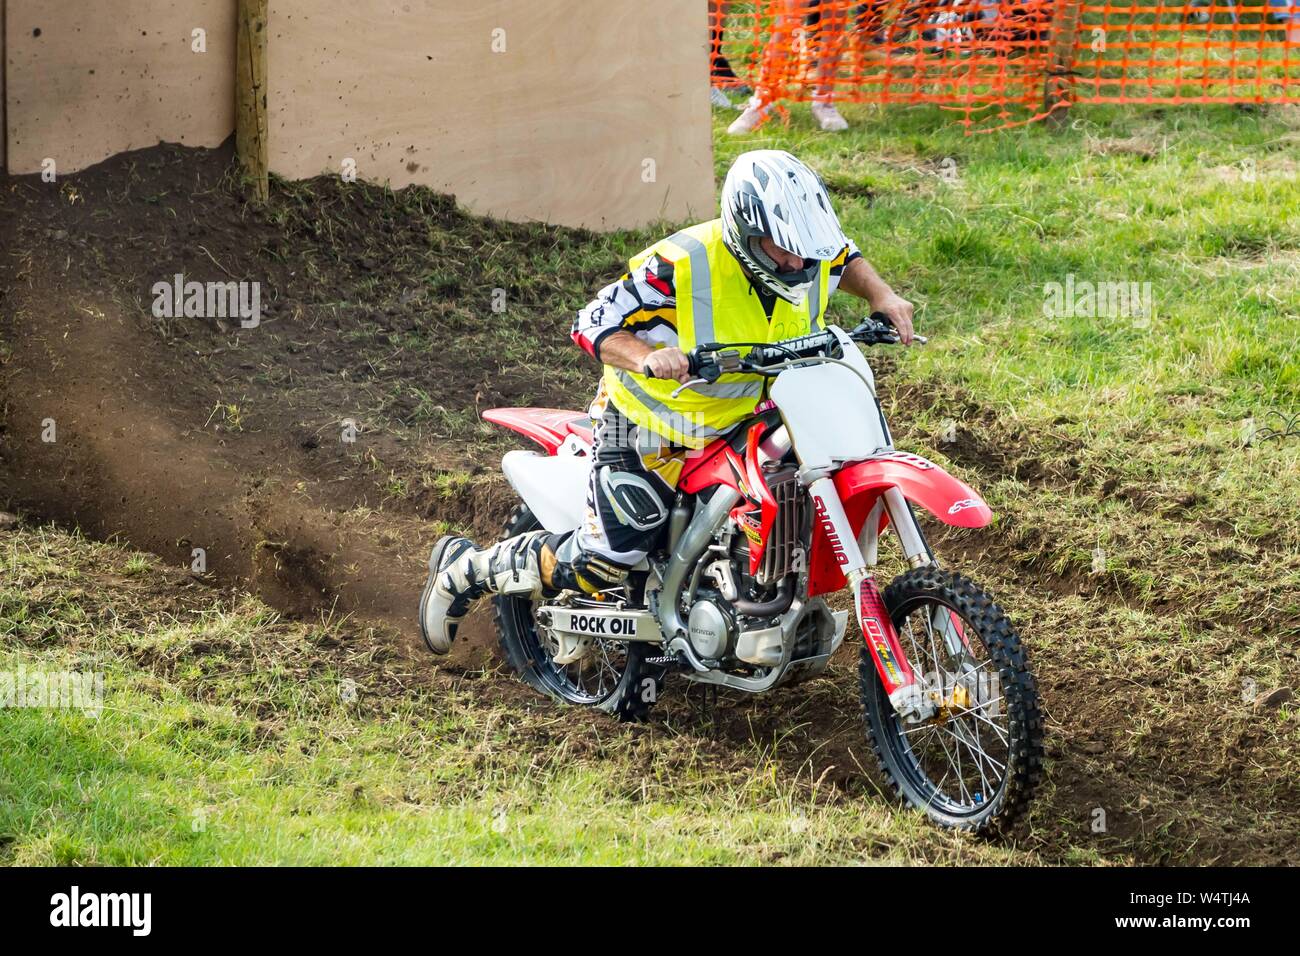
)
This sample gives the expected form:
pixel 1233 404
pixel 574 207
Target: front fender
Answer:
pixel 949 499
pixel 860 486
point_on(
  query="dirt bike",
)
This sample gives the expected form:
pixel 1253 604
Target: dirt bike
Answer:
pixel 786 509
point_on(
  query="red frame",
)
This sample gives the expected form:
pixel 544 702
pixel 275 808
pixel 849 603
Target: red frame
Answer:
pixel 718 464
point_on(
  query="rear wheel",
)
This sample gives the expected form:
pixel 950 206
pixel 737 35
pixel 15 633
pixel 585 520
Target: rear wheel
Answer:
pixel 976 763
pixel 612 677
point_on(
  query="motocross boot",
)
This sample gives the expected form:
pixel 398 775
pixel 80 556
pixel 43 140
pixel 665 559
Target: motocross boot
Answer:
pixel 460 572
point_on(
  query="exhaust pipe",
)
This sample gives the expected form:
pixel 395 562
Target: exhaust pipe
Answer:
pixel 778 605
pixel 692 545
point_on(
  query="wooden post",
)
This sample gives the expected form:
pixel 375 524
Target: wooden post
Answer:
pixel 1060 59
pixel 250 94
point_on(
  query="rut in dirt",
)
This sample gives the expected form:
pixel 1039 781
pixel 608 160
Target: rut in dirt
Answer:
pixel 296 455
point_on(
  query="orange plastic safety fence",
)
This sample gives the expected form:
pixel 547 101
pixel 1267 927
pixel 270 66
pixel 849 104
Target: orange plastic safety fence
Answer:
pixel 1004 62
pixel 1209 51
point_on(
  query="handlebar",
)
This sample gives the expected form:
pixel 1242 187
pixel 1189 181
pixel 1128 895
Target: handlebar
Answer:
pixel 708 361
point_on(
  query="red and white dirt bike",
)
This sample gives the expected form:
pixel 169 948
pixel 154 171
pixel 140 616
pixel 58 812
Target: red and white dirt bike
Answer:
pixel 768 521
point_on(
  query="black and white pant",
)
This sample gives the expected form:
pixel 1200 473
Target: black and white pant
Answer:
pixel 634 475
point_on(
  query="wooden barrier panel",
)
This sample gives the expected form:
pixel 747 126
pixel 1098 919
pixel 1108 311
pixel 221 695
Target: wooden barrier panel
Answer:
pixel 578 112
pixel 4 156
pixel 88 79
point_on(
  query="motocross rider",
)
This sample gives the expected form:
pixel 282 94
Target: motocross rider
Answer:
pixel 763 272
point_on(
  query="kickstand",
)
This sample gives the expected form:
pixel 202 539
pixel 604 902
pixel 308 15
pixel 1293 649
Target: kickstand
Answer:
pixel 704 706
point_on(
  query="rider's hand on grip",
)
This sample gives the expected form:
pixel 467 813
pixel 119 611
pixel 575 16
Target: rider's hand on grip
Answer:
pixel 671 363
pixel 877 329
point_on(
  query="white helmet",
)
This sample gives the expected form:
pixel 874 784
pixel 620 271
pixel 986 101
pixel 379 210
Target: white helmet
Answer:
pixel 770 193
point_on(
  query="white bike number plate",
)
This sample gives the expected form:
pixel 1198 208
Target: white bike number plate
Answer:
pixel 616 625
pixel 829 411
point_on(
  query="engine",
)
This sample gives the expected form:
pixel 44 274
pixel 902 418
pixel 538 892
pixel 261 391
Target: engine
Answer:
pixel 740 621
pixel 711 627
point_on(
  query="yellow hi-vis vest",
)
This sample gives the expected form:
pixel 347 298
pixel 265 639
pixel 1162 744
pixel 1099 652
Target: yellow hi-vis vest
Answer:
pixel 715 303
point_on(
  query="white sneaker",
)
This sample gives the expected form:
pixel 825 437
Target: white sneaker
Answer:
pixel 749 120
pixel 828 117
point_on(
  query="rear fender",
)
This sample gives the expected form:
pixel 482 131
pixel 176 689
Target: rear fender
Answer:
pixel 921 481
pixel 549 427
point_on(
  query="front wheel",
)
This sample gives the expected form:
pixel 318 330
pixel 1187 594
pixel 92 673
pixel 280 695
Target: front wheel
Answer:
pixel 975 763
pixel 613 677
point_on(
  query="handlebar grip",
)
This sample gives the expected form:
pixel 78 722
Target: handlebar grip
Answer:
pixel 884 320
pixel 693 365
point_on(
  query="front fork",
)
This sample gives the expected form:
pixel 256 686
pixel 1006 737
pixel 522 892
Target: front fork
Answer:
pixel 906 690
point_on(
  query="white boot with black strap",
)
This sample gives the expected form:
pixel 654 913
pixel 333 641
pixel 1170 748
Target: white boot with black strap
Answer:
pixel 460 573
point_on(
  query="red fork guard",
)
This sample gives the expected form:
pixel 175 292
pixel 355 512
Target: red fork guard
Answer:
pixel 881 638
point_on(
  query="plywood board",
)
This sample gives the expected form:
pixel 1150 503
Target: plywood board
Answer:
pixel 4 162
pixel 581 112
pixel 86 80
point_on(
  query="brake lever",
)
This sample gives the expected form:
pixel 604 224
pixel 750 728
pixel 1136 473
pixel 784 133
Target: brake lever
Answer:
pixel 880 331
pixel 689 383
pixel 712 369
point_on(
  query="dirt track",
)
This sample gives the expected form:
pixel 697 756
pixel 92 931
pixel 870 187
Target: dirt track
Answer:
pixel 178 434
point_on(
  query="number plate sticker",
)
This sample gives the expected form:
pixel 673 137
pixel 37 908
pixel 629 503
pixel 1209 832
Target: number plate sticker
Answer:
pixel 617 625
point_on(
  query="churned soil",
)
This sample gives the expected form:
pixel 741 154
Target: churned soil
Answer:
pixel 314 458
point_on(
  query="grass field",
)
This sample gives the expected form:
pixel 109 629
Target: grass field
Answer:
pixel 1147 544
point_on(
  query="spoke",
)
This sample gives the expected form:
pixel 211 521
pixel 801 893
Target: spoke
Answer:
pixel 948 754
pixel 970 712
pixel 934 644
pixel 938 787
pixel 948 768
pixel 605 666
pixel 977 667
pixel 918 728
pixel 932 728
pixel 980 746
pixel 935 735
pixel 977 752
pixel 612 670
pixel 961 777
pixel 999 765
pixel 917 652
